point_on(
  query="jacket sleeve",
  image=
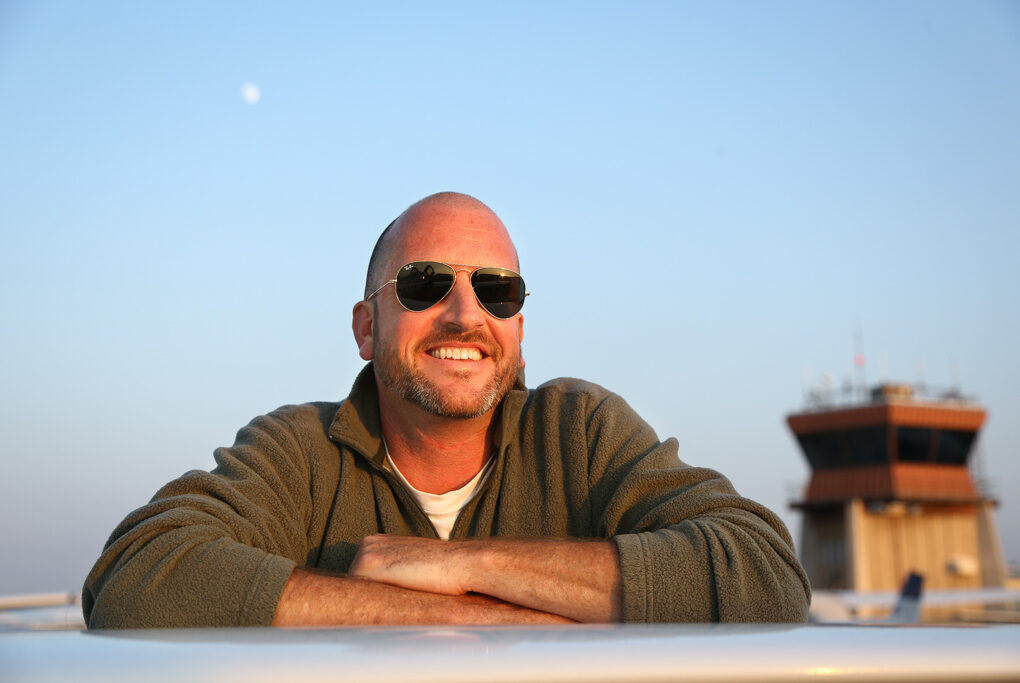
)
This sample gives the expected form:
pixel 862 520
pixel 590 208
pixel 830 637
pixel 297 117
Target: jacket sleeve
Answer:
pixel 211 548
pixel 691 549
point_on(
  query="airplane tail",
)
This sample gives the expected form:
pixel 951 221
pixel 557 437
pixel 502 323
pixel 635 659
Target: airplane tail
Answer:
pixel 908 607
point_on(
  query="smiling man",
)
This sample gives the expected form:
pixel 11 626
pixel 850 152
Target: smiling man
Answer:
pixel 442 490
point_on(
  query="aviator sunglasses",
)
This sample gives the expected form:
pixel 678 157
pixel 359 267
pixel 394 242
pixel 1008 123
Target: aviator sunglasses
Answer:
pixel 422 284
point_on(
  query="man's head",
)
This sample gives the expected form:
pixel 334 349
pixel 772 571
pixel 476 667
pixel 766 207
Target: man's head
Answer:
pixel 453 359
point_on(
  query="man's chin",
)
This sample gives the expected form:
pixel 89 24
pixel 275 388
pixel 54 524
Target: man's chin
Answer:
pixel 453 402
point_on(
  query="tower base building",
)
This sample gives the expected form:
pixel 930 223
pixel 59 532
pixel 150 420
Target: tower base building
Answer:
pixel 891 493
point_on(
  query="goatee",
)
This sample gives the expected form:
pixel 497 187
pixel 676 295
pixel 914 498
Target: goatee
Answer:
pixel 411 384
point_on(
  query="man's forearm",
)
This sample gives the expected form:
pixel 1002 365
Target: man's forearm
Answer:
pixel 578 579
pixel 313 598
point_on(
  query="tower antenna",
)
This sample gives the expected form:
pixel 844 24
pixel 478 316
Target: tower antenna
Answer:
pixel 860 361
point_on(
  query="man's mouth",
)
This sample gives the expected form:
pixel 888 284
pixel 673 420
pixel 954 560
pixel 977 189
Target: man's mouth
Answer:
pixel 455 353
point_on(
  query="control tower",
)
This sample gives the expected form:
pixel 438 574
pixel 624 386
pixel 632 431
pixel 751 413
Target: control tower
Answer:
pixel 890 493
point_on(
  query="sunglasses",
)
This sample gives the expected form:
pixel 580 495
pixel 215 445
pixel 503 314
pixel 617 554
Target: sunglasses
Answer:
pixel 422 284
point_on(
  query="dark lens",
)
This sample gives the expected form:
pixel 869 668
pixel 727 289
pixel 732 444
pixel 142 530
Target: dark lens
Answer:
pixel 423 283
pixel 500 291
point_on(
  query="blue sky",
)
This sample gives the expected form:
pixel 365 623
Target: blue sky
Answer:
pixel 710 202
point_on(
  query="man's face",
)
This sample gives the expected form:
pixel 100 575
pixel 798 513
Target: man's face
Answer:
pixel 453 359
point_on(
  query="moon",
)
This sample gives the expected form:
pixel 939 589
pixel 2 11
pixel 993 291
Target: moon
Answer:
pixel 251 93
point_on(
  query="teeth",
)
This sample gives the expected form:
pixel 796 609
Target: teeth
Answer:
pixel 449 353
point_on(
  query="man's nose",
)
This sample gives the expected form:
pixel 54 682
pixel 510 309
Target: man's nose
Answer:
pixel 460 307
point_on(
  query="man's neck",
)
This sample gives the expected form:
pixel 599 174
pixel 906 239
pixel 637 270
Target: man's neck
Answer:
pixel 435 454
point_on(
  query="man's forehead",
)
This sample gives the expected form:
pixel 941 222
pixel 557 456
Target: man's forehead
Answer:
pixel 469 235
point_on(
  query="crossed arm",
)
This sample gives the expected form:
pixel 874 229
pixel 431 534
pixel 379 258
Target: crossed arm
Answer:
pixel 402 579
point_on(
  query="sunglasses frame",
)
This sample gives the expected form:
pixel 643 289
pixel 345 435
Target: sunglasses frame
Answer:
pixel 457 268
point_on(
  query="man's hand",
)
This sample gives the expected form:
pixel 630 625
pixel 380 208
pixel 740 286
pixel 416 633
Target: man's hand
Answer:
pixel 577 579
pixel 421 564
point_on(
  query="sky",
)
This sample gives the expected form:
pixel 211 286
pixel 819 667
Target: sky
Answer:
pixel 716 205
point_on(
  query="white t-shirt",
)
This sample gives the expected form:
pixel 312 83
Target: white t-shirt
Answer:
pixel 443 508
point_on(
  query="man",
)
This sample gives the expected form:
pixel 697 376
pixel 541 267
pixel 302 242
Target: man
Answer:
pixel 560 504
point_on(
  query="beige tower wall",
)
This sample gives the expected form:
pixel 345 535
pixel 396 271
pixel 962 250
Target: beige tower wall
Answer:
pixel 872 547
pixel 993 563
pixel 860 550
pixel 938 541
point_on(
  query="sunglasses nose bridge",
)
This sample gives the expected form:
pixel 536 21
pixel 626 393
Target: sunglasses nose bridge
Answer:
pixel 461 299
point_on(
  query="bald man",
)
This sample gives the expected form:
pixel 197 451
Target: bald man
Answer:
pixel 442 490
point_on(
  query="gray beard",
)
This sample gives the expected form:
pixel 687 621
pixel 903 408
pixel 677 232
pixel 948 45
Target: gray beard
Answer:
pixel 421 392
pixel 412 386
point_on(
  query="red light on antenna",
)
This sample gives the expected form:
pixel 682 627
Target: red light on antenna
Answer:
pixel 860 360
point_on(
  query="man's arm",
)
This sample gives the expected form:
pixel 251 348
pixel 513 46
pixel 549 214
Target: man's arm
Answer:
pixel 691 548
pixel 579 579
pixel 214 548
pixel 314 598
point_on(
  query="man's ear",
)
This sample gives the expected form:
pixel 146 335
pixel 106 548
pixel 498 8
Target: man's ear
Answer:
pixel 361 324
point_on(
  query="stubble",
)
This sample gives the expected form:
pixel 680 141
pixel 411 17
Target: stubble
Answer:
pixel 411 384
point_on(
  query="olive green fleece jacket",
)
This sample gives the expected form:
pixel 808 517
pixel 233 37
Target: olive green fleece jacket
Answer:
pixel 304 484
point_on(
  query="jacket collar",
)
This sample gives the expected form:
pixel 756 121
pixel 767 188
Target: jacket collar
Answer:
pixel 356 423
